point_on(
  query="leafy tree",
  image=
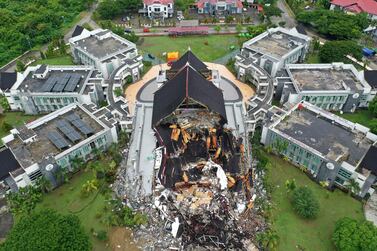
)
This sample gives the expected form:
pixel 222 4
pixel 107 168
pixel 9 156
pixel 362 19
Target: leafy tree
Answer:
pixel 352 235
pixel 229 19
pixel 217 28
pixel 239 28
pixel 47 230
pixel 373 106
pixel 20 66
pixel 24 201
pixel 257 29
pixel 336 51
pixel 305 203
pixel 43 184
pixel 4 103
pixel 335 24
pixel 108 9
pixel 268 240
pixel 290 185
pixel 6 126
pixel 373 126
pixel 272 10
pixel 118 92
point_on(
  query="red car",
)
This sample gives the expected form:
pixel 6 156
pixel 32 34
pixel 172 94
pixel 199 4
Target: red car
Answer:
pixel 146 30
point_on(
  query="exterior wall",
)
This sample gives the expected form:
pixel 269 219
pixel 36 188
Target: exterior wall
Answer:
pixel 159 10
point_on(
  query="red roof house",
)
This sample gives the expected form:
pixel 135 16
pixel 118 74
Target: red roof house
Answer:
pixel 357 6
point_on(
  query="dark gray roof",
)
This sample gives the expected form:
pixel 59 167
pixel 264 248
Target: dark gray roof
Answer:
pixel 301 29
pixel 78 30
pixel 190 58
pixel 8 163
pixel 7 80
pixel 370 159
pixel 371 78
pixel 187 84
pixel 41 69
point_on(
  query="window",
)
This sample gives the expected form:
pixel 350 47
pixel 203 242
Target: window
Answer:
pixel 16 98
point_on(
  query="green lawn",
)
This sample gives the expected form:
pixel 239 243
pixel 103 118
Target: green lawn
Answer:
pixel 312 59
pixel 14 119
pixel 363 117
pixel 311 235
pixel 67 199
pixel 218 45
pixel 63 60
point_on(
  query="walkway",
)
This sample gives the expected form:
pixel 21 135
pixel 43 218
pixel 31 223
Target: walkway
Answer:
pixel 370 209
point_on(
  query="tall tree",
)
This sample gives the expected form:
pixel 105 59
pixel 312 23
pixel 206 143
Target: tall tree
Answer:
pixel 47 230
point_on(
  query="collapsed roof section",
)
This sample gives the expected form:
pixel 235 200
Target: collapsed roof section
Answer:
pixel 187 86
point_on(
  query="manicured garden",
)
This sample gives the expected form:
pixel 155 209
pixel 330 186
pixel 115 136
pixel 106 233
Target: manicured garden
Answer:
pixel 68 199
pixel 207 48
pixel 10 120
pixel 297 233
pixel 363 117
pixel 59 60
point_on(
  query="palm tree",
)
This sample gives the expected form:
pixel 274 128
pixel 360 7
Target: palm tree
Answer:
pixel 353 186
pixel 90 186
pixel 44 184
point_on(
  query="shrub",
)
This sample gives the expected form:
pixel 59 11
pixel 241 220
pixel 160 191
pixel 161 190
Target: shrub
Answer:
pixel 102 235
pixel 305 203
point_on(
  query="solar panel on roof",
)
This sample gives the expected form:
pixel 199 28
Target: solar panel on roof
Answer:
pixel 72 83
pixel 49 84
pixel 61 82
pixel 68 130
pixel 77 122
pixel 57 139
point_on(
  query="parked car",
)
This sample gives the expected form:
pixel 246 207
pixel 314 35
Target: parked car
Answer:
pixel 127 30
pixel 146 29
pixel 151 56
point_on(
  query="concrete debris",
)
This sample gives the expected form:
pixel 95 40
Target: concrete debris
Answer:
pixel 205 188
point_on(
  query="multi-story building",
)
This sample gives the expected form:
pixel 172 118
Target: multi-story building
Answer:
pixel 157 9
pixel 335 87
pixel 330 148
pixel 43 88
pixel 273 49
pixel 219 7
pixel 107 52
pixel 48 144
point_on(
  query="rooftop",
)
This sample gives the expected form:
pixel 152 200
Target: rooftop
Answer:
pixel 8 163
pixel 276 44
pixel 101 45
pixel 332 140
pixel 65 79
pixel 44 145
pixel 327 79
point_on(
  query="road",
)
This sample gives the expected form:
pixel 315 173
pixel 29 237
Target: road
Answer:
pixel 87 18
pixel 287 14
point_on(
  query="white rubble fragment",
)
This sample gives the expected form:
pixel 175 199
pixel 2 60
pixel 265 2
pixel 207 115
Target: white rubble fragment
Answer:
pixel 175 227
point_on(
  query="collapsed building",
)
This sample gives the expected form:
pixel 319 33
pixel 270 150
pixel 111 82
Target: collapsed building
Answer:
pixel 203 192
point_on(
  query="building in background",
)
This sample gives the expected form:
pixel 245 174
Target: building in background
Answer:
pixel 334 87
pixel 353 7
pixel 44 88
pixel 219 7
pixel 273 49
pixel 330 148
pixel 49 144
pixel 107 52
pixel 158 9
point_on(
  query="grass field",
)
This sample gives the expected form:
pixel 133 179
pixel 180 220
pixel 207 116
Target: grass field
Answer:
pixel 67 199
pixel 218 45
pixel 14 119
pixel 363 117
pixel 295 232
pixel 63 60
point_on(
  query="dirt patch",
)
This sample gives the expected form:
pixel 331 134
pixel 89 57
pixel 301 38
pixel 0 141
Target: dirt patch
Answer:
pixel 121 239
